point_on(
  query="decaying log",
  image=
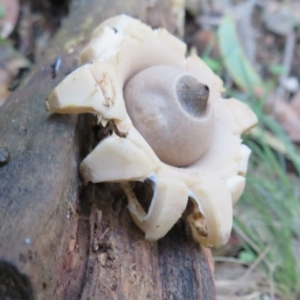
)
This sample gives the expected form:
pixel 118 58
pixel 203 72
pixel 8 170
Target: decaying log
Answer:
pixel 58 239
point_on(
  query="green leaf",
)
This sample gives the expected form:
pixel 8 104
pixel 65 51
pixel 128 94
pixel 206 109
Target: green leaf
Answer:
pixel 212 63
pixel 277 69
pixel 235 60
pixel 247 256
pixel 2 11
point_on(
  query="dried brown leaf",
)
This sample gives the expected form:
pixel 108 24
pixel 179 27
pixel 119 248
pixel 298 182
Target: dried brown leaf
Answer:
pixel 286 115
pixel 206 38
pixel 295 104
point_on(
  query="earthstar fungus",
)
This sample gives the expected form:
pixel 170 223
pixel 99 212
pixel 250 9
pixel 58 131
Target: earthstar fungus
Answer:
pixel 171 126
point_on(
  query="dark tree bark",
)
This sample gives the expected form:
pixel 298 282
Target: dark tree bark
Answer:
pixel 59 240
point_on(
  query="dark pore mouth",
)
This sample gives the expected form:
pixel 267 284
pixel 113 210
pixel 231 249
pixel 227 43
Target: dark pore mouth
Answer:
pixel 192 95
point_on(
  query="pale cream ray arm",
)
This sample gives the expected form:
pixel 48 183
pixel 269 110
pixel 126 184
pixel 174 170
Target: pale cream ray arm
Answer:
pixel 244 158
pixel 116 159
pixel 77 93
pixel 214 201
pixel 236 185
pixel 243 115
pixel 223 155
pixel 168 203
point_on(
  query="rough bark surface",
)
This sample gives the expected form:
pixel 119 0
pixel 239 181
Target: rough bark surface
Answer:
pixel 59 240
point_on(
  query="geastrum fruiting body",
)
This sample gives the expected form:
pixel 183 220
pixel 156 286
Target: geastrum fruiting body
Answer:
pixel 171 126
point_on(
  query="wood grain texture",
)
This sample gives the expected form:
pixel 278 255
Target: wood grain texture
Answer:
pixel 59 240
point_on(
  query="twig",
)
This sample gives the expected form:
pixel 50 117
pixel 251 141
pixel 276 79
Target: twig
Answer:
pixel 254 295
pixel 286 63
pixel 229 259
pixel 104 233
pixel 247 239
pixel 272 286
pixel 226 283
pixel 255 264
